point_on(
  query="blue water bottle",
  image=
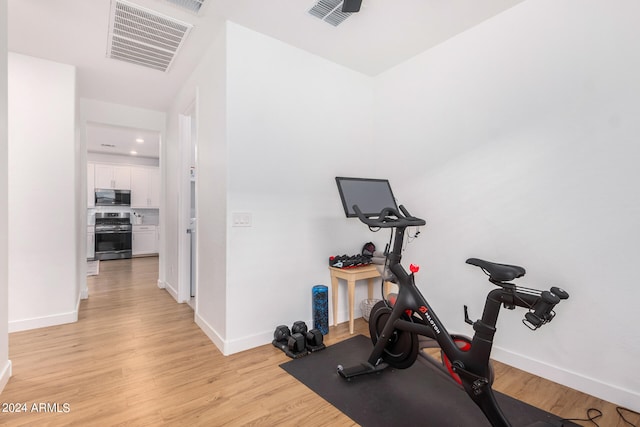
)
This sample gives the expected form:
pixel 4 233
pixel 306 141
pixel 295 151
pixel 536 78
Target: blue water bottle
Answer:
pixel 320 302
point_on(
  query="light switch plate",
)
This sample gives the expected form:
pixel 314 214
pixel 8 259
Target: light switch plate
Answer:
pixel 241 219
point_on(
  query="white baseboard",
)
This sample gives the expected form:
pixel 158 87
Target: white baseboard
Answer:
pixel 228 347
pixel 161 284
pixel 234 346
pixel 5 374
pixel 609 392
pixel 171 289
pixel 211 333
pixel 248 342
pixel 84 294
pixel 44 321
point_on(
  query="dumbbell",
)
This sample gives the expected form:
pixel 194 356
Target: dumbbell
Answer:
pixel 314 338
pixel 297 340
pixel 293 345
pixel 281 333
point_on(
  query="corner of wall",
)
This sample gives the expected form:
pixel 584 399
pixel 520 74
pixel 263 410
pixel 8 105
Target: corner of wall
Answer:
pixel 5 363
pixel 213 335
pixel 5 374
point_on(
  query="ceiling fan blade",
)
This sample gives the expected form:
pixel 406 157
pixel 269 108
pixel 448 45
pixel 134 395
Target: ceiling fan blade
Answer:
pixel 351 5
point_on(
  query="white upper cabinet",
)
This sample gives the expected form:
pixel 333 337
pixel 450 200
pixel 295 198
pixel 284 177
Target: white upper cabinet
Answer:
pixel 145 187
pixel 110 176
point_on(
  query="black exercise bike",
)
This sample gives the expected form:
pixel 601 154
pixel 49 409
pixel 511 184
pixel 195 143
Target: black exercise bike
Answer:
pixel 400 328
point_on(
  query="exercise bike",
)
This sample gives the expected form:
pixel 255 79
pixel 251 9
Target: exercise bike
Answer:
pixel 399 327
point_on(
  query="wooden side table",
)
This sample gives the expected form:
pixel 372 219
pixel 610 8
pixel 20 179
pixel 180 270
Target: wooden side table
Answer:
pixel 351 275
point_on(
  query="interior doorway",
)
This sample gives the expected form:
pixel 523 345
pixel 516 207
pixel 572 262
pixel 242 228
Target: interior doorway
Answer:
pixel 188 279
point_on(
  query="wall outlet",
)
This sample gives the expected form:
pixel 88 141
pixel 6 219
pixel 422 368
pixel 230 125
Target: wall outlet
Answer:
pixel 241 219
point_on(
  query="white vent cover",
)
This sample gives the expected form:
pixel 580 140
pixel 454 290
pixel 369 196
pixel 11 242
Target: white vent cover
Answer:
pixel 329 11
pixel 192 5
pixel 144 37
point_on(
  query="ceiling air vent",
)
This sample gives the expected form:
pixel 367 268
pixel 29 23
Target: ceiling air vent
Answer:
pixel 144 37
pixel 192 5
pixel 329 11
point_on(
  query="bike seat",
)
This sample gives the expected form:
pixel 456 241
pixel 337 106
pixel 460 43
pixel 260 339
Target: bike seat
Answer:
pixel 498 272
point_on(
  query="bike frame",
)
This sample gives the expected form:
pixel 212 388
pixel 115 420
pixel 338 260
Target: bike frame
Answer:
pixel 472 366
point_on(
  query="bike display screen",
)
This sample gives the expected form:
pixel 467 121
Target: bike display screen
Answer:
pixel 371 195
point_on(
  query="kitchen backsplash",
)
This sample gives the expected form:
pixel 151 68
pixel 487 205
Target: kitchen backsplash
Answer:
pixel 147 216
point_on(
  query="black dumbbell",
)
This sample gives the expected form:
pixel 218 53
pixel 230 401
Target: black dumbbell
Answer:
pixel 315 340
pixel 293 345
pixel 297 343
pixel 282 333
pixel 299 327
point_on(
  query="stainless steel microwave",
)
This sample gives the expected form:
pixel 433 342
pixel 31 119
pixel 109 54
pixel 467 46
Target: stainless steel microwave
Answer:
pixel 109 197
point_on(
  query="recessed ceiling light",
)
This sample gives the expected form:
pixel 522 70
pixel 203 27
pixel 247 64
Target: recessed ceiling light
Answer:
pixel 133 152
pixel 139 140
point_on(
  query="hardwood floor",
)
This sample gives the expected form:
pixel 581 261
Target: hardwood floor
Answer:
pixel 135 357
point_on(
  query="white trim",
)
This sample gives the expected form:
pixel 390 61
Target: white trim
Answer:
pixel 44 321
pixel 211 333
pixel 250 341
pixel 5 374
pixel 184 198
pixel 161 284
pixel 609 392
pixel 245 343
pixel 171 289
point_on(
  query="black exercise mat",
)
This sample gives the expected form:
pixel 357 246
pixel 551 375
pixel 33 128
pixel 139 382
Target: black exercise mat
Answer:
pixel 418 396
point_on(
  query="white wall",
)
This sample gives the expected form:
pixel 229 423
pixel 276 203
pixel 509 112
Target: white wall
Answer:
pixel 5 363
pixel 122 159
pixel 43 263
pixel 275 125
pixel 206 87
pixel 520 142
pixel 295 121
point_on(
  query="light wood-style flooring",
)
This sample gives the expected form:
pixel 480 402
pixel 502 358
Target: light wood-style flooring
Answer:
pixel 135 357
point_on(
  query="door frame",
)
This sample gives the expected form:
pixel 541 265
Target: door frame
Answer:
pixel 187 125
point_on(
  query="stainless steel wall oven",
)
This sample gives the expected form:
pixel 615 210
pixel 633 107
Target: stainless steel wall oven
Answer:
pixel 113 235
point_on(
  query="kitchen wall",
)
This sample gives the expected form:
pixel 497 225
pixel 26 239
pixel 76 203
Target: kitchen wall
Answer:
pixel 5 363
pixel 517 140
pixel 43 263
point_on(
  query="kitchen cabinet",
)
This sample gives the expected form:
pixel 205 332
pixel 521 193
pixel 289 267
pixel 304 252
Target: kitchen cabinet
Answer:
pixel 91 242
pixel 145 187
pixel 144 240
pixel 112 176
pixel 91 188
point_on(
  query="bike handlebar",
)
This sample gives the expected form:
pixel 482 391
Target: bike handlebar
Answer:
pixel 542 312
pixel 390 218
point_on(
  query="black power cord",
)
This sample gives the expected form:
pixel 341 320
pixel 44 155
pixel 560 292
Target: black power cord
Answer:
pixel 593 414
pixel 620 409
pixel 590 417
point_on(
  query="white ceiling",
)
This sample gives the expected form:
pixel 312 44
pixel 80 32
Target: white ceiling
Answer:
pixel 383 34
